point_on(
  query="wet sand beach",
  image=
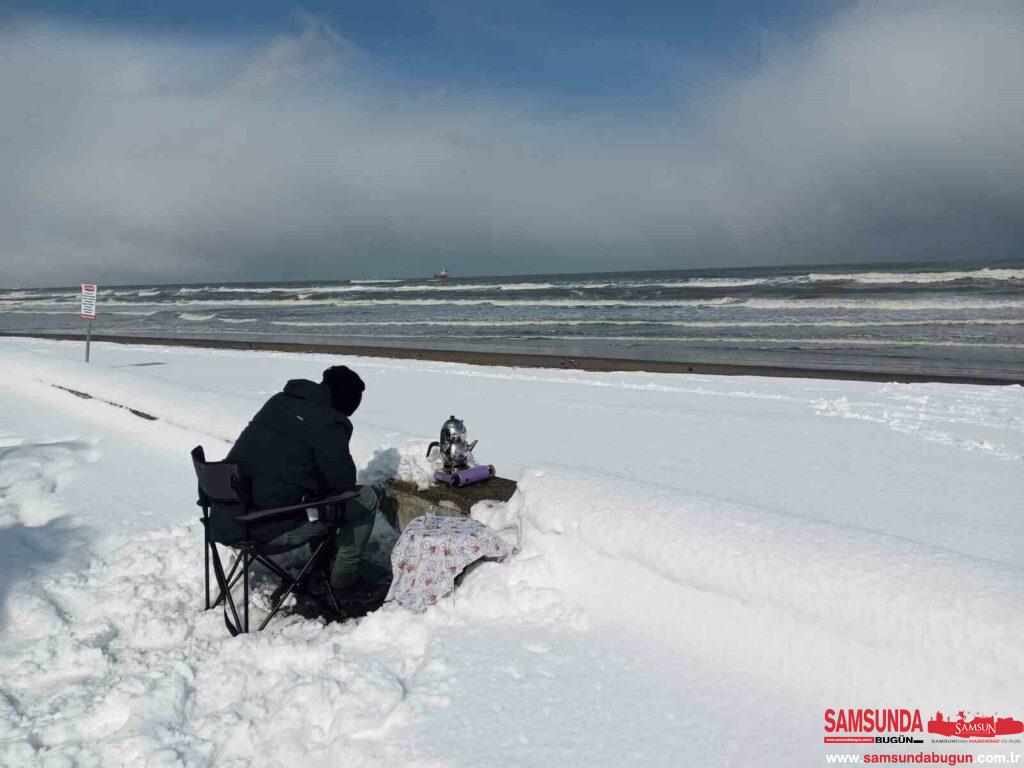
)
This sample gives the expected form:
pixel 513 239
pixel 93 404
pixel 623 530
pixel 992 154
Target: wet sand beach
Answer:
pixel 887 370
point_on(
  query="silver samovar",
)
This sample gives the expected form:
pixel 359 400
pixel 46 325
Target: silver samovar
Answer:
pixel 457 464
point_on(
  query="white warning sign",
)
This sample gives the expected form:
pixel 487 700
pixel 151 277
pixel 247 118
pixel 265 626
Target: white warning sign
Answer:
pixel 88 301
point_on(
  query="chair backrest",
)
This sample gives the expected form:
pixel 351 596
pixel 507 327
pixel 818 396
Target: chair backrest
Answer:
pixel 220 481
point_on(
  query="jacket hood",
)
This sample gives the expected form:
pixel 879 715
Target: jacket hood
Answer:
pixel 304 389
pixel 306 401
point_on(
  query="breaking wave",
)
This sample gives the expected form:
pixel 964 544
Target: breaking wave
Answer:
pixel 365 288
pixel 936 303
pixel 885 278
pixel 614 321
pixel 863 278
pixel 946 304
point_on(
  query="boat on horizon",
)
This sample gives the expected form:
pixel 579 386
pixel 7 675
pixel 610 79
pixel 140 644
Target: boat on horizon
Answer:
pixel 443 274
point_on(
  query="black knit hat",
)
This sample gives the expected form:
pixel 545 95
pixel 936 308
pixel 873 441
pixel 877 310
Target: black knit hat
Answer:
pixel 346 388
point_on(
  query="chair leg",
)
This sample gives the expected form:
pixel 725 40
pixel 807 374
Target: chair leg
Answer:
pixel 245 586
pixel 206 558
pixel 330 594
pixel 294 583
pixel 234 574
pixel 282 574
pixel 222 580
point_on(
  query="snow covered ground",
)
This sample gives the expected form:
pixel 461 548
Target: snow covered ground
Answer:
pixel 706 565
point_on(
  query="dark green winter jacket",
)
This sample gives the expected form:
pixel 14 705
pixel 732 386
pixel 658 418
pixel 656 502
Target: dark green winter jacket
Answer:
pixel 296 447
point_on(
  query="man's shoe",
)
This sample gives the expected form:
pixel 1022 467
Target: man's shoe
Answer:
pixel 360 598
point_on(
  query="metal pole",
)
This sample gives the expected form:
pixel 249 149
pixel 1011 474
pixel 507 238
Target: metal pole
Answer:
pixel 88 339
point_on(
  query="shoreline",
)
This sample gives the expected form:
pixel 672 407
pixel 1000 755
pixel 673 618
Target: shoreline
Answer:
pixel 539 360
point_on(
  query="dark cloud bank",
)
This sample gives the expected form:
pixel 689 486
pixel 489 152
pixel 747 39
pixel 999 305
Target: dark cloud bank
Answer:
pixel 894 134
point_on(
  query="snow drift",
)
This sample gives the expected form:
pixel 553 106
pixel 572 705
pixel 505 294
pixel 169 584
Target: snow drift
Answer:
pixel 883 590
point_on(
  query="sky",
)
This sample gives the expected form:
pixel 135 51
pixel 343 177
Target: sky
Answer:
pixel 188 141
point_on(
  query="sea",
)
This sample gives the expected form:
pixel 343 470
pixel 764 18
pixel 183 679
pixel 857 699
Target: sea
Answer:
pixel 951 319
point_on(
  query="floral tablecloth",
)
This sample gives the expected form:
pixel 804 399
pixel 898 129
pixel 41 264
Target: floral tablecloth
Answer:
pixel 432 551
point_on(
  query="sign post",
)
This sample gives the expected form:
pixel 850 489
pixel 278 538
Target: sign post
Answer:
pixel 88 313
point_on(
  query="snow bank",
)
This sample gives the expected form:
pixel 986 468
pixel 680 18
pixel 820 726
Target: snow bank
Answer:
pixel 961 614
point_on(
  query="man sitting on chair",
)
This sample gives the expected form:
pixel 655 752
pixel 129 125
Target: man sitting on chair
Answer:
pixel 296 448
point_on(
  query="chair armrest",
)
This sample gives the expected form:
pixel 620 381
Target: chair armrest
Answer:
pixel 268 514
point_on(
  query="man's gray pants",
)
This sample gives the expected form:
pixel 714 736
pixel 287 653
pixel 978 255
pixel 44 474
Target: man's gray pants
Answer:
pixel 350 542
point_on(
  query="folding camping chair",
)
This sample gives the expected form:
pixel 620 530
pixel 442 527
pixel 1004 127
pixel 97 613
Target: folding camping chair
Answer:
pixel 222 482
